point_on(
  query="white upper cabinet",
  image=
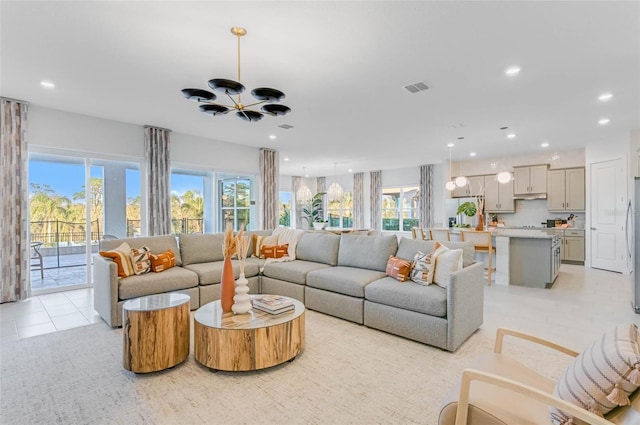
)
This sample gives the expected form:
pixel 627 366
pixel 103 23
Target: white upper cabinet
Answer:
pixel 566 190
pixel 498 197
pixel 473 188
pixel 530 180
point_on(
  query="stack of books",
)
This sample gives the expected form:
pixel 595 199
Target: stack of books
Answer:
pixel 273 304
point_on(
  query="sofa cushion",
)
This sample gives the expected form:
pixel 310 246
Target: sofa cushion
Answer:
pixel 367 252
pixel 156 244
pixel 603 376
pixel 292 271
pixel 156 283
pixel 199 248
pixel 344 280
pixel 448 261
pixel 407 249
pixel 319 248
pixel 211 272
pixel 431 299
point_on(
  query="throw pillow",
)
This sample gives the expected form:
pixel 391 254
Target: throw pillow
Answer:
pixel 140 260
pixel 122 257
pixel 274 251
pixel 423 268
pixel 603 375
pixel 258 241
pixel 398 268
pixel 163 261
pixel 447 261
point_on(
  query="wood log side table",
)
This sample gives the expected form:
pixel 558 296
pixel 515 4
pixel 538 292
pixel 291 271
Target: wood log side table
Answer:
pixel 156 332
pixel 251 341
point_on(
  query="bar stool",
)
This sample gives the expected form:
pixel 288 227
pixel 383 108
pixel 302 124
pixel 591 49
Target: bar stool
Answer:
pixel 37 257
pixel 418 233
pixel 482 243
pixel 441 235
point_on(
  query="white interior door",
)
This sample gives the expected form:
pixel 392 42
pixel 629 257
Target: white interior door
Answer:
pixel 608 213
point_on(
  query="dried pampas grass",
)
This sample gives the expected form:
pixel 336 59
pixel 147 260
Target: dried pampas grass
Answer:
pixel 229 244
pixel 242 247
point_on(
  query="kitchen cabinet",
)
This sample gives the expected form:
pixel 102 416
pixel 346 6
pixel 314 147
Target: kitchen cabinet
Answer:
pixel 498 197
pixel 534 261
pixel 472 188
pixel 565 190
pixel 530 180
pixel 573 245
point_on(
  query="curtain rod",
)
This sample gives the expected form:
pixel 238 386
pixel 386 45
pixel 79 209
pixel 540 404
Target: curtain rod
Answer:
pixel 158 128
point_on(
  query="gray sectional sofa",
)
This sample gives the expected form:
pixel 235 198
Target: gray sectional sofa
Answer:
pixel 339 275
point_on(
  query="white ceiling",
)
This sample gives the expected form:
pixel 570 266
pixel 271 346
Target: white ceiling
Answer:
pixel 342 66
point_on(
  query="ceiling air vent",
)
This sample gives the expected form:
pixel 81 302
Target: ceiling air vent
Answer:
pixel 416 87
pixel 285 126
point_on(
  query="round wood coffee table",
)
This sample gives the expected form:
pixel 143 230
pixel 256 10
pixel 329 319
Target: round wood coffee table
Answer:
pixel 156 332
pixel 241 342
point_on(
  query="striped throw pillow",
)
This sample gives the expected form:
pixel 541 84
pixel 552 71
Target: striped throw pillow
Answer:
pixel 602 376
pixel 122 257
pixel 140 260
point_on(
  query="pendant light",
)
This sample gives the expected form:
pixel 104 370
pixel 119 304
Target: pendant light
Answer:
pixel 335 191
pixel 304 195
pixel 450 185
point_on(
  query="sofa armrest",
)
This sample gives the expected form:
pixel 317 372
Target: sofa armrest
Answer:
pixel 465 304
pixel 105 290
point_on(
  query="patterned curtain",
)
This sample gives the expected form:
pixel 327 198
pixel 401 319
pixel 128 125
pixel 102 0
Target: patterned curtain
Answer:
pixel 426 196
pixel 358 201
pixel 156 150
pixel 270 197
pixel 376 200
pixel 14 248
pixel 296 210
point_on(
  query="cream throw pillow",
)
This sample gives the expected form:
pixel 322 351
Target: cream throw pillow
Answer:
pixel 602 376
pixel 447 261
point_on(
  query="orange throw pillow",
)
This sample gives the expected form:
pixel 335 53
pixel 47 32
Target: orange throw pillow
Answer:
pixel 274 251
pixel 162 262
pixel 122 257
pixel 398 268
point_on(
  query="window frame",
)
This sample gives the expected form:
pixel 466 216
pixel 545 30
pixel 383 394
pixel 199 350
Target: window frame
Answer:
pixel 412 211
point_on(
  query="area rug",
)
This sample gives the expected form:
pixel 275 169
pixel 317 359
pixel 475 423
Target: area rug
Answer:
pixel 347 374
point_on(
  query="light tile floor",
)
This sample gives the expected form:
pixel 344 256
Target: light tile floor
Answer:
pixel 581 305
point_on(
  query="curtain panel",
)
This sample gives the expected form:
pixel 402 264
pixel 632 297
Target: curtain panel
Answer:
pixel 156 150
pixel 376 200
pixel 15 249
pixel 426 196
pixel 321 184
pixel 296 207
pixel 358 201
pixel 269 179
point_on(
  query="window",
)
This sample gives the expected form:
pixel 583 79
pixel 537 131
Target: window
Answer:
pixel 400 208
pixel 235 203
pixel 285 209
pixel 340 213
pixel 187 201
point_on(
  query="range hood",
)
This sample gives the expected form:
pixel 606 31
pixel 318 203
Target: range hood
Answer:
pixel 530 196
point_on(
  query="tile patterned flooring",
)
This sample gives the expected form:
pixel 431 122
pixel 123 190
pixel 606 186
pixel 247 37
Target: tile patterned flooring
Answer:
pixel 581 305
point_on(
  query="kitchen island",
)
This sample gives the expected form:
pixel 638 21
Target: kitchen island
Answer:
pixel 527 257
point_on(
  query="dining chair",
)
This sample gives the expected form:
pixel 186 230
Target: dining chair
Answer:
pixel 36 258
pixel 441 235
pixel 482 243
pixel 418 233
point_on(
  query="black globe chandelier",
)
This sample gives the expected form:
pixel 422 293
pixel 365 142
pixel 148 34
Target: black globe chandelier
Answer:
pixel 267 97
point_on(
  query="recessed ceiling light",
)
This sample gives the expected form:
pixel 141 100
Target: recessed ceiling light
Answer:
pixel 350 170
pixel 450 145
pixel 273 137
pixel 605 96
pixel 512 70
pixel 285 159
pixel 511 136
pixel 47 84
pixel 545 145
pixel 472 154
pixel 603 121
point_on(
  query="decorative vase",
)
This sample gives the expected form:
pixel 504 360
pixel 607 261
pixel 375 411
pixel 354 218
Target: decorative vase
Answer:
pixel 480 226
pixel 228 285
pixel 318 225
pixel 242 300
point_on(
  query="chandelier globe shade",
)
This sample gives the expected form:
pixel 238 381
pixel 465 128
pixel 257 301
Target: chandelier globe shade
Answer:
pixel 461 181
pixel 504 177
pixel 450 185
pixel 335 192
pixel 304 194
pixel 232 90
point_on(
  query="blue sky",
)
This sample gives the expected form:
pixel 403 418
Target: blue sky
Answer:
pixel 66 179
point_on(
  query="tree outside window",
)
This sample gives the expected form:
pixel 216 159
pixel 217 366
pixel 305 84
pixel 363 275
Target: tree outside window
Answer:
pixel 235 203
pixel 400 210
pixel 340 212
pixel 285 209
pixel 187 202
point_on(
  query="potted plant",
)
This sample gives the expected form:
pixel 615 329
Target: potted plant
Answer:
pixel 314 214
pixel 468 209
